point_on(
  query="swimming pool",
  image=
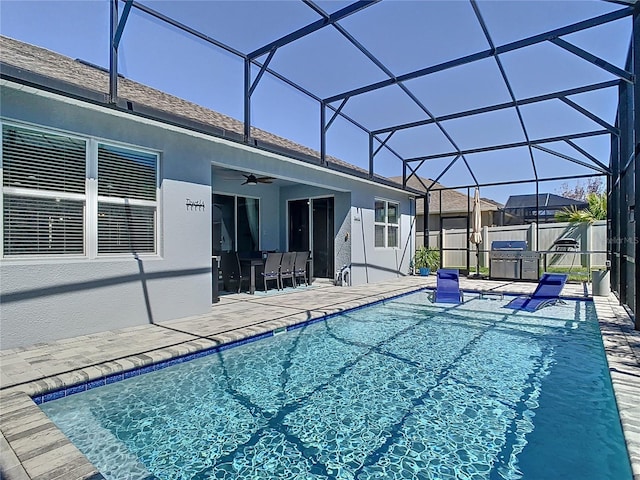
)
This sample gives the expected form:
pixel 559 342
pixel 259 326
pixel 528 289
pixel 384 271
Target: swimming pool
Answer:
pixel 400 390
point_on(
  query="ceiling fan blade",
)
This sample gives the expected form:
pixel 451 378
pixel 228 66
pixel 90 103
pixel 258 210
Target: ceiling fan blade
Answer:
pixel 251 179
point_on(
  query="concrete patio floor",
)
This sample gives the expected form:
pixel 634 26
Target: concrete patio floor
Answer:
pixel 31 447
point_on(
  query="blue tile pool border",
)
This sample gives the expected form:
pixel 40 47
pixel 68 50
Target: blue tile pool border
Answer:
pixel 117 377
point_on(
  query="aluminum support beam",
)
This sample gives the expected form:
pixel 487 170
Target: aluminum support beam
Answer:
pixel 390 74
pixel 502 106
pixel 247 100
pixel 609 67
pixel 312 27
pixel 588 155
pixel 187 29
pixel 636 171
pixel 405 165
pixel 510 145
pixel 446 169
pixel 323 133
pixel 521 182
pixel 505 79
pixel 121 24
pixel 263 68
pixel 113 52
pixel 590 115
pixel 336 113
pixel 370 155
pixel 543 37
pixel 123 21
pixel 571 159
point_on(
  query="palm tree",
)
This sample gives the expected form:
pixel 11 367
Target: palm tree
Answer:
pixel 596 210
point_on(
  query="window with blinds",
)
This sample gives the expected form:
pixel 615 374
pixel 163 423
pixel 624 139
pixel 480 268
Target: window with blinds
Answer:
pixel 126 200
pixel 47 209
pixel 126 228
pixel 43 193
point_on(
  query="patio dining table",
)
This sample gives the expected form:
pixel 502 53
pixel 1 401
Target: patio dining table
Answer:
pixel 253 263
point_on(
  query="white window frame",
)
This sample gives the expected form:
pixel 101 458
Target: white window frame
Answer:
pixel 90 196
pixel 386 224
pixel 126 201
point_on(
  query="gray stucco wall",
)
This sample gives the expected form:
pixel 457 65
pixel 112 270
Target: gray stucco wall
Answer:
pixel 45 299
pixel 370 263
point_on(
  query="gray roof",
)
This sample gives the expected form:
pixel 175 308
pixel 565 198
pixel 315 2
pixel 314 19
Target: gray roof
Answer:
pixel 544 200
pixel 452 200
pixel 24 62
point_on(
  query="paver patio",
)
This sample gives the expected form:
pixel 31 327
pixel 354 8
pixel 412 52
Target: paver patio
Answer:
pixel 31 447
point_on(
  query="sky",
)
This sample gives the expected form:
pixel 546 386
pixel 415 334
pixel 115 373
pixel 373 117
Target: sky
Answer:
pixel 404 36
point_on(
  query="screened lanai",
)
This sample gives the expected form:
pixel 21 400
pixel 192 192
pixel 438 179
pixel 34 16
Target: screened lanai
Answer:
pixel 512 97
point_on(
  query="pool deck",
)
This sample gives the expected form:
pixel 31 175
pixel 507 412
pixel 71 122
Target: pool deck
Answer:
pixel 31 447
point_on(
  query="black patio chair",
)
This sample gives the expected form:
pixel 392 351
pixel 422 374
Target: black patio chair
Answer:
pixel 286 268
pixel 300 267
pixel 231 272
pixel 272 269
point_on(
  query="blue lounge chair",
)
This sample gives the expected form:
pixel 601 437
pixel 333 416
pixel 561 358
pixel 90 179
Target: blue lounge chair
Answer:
pixel 448 286
pixel 547 293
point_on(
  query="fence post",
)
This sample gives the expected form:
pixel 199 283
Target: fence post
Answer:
pixel 486 247
pixel 443 244
pixel 532 237
pixel 588 247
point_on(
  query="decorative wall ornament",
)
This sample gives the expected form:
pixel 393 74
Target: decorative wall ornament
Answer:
pixel 195 206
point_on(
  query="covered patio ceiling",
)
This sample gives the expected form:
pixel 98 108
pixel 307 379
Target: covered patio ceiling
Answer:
pixel 467 93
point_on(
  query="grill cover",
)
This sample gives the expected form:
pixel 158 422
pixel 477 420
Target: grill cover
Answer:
pixel 509 245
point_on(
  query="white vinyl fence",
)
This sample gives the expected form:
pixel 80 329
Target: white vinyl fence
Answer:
pixel 591 238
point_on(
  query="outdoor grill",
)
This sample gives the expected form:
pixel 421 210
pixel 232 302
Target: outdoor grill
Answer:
pixel 511 260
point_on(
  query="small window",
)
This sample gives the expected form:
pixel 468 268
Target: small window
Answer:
pixel 387 224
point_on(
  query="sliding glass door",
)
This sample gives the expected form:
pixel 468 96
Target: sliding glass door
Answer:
pixel 235 224
pixel 311 228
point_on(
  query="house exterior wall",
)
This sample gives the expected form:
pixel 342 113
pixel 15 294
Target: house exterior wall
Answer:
pixel 369 263
pixel 50 298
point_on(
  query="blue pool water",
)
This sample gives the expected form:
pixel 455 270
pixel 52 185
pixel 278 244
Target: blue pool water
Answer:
pixel 400 390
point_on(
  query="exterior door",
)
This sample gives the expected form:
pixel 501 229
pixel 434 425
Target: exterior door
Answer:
pixel 322 250
pixel 311 228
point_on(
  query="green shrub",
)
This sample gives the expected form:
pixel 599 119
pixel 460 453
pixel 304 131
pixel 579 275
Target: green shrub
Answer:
pixel 427 258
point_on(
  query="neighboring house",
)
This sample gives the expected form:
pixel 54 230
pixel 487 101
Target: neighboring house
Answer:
pixel 111 212
pixel 448 208
pixel 521 209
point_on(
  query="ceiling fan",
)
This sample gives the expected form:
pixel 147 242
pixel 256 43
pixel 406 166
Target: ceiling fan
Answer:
pixel 253 180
